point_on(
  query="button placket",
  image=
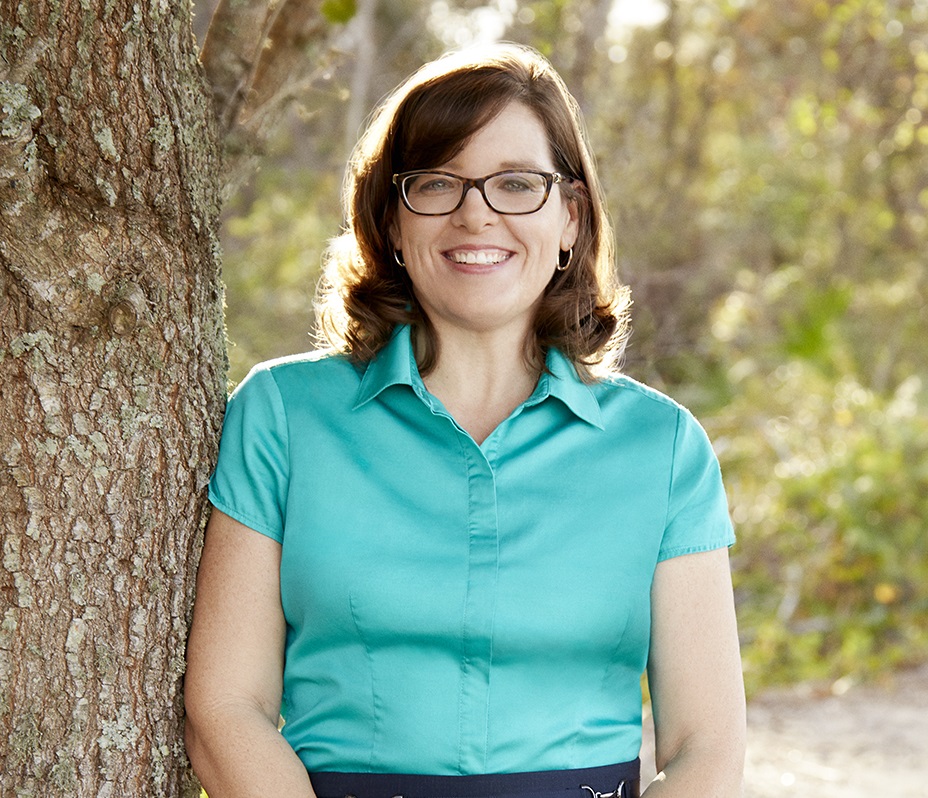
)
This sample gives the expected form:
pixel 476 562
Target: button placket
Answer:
pixel 479 610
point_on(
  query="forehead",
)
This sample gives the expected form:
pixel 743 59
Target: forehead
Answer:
pixel 514 138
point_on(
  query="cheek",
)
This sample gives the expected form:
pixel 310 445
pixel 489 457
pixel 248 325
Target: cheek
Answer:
pixel 547 238
pixel 410 232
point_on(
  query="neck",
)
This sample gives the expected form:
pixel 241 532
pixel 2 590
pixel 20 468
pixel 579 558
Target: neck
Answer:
pixel 481 379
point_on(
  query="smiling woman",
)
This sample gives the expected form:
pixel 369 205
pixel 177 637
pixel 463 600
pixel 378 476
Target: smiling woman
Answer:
pixel 427 126
pixel 450 545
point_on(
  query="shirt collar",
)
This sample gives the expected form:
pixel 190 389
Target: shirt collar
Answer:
pixel 562 382
pixel 395 364
pixel 392 365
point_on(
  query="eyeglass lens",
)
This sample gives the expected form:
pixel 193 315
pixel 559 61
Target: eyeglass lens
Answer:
pixel 508 192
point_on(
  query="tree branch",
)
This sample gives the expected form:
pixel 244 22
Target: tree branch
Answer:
pixel 297 29
pixel 260 55
pixel 232 48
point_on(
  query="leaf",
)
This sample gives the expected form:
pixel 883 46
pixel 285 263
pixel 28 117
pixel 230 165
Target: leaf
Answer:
pixel 339 12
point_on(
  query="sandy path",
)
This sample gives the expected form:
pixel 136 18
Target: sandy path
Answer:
pixel 868 740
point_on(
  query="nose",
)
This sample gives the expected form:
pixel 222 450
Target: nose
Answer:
pixel 475 212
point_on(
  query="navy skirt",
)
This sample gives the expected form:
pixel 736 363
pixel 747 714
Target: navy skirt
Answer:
pixel 611 781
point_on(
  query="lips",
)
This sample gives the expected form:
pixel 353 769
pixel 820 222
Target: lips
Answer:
pixel 478 257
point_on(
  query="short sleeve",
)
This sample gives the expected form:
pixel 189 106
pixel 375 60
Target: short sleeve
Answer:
pixel 252 473
pixel 697 515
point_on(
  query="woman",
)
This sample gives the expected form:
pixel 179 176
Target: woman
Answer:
pixel 450 545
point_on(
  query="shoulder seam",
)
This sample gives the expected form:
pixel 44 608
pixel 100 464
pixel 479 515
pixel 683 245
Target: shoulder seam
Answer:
pixel 624 381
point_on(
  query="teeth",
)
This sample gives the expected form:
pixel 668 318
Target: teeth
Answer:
pixel 481 257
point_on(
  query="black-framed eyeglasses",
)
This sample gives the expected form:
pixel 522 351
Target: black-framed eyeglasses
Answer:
pixel 513 192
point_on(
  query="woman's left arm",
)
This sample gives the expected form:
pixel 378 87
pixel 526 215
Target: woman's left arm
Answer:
pixel 695 679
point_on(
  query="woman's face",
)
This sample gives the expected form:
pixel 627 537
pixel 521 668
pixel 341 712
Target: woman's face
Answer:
pixel 475 269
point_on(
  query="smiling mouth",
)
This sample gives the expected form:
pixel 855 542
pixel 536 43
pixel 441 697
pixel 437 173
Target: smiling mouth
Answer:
pixel 480 257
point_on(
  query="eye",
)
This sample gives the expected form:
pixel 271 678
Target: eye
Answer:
pixel 433 184
pixel 519 183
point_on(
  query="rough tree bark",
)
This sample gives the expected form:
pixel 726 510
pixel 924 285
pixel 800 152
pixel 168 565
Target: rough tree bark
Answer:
pixel 112 364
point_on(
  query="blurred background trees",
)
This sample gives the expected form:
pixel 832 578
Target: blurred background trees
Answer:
pixel 767 172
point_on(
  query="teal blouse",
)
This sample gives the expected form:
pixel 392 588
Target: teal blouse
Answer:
pixel 455 608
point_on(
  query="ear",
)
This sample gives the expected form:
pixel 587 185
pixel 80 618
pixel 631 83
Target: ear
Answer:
pixel 394 232
pixel 571 225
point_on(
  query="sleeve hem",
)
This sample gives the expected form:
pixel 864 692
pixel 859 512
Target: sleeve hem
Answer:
pixel 679 551
pixel 258 525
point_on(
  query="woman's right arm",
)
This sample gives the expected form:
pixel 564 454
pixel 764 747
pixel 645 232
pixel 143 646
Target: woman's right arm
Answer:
pixel 235 658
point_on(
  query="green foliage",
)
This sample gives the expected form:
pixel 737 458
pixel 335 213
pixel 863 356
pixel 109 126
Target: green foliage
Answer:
pixel 273 243
pixel 338 12
pixel 828 484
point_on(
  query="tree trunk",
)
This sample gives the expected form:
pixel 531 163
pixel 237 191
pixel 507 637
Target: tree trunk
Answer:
pixel 594 20
pixel 366 62
pixel 112 360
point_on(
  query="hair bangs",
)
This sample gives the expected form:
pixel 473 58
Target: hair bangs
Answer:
pixel 436 121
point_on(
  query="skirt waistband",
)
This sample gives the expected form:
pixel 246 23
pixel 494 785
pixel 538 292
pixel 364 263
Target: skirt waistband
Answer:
pixel 611 781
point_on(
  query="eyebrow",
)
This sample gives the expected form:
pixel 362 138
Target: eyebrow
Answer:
pixel 522 165
pixel 510 166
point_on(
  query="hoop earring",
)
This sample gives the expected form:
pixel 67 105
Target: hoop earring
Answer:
pixel 397 256
pixel 561 267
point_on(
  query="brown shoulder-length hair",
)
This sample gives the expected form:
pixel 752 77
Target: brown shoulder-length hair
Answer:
pixel 365 293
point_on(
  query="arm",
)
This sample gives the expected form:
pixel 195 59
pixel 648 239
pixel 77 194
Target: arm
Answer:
pixel 694 671
pixel 235 658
